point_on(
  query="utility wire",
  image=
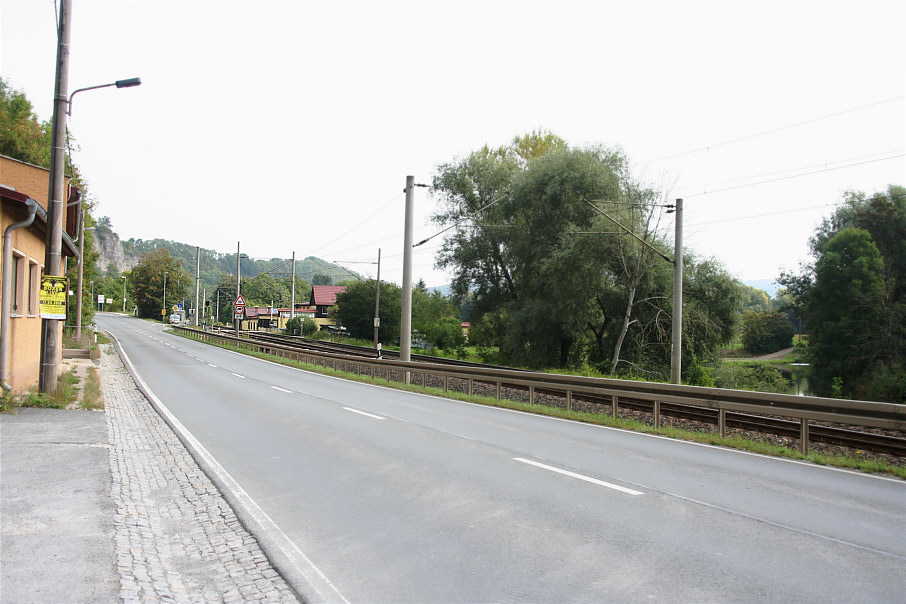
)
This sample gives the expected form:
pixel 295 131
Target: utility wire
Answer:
pixel 761 182
pixel 773 130
pixel 463 219
pixel 370 216
pixel 821 165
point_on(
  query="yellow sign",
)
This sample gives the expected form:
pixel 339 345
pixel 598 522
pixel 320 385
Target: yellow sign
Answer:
pixel 52 297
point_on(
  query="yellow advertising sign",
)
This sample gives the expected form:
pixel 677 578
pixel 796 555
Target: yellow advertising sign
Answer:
pixel 52 297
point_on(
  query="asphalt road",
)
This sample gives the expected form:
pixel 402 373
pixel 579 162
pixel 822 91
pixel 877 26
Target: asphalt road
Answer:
pixel 398 497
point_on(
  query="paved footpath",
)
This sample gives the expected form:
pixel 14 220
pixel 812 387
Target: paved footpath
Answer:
pixel 174 538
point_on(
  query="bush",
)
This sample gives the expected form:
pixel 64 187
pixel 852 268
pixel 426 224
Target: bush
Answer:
pixel 751 376
pixel 309 327
pixel 764 333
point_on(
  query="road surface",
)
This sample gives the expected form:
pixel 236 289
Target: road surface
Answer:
pixel 399 497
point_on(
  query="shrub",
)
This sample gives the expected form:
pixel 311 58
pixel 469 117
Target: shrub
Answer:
pixel 763 333
pixel 751 376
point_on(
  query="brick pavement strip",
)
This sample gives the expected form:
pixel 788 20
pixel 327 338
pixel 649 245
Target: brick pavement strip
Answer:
pixel 177 539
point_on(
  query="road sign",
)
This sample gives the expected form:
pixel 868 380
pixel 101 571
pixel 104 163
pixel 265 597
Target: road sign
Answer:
pixel 239 301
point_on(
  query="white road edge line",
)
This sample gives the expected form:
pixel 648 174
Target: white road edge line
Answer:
pixel 615 487
pixel 363 413
pixel 281 389
pixel 297 557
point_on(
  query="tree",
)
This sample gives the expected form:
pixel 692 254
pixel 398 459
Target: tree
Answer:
pixel 846 302
pixel 22 136
pixel 853 298
pixel 355 310
pixel 764 333
pixel 264 290
pixel 543 252
pixel 320 279
pixel 148 283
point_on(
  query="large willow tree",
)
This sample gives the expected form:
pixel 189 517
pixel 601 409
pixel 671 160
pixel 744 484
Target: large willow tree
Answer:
pixel 562 255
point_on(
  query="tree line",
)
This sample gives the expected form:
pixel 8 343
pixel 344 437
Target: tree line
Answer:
pixel 560 259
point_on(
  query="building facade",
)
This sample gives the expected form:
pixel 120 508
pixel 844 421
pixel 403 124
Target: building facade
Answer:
pixel 24 229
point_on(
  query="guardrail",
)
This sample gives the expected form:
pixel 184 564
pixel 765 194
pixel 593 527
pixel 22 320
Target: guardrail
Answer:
pixel 803 408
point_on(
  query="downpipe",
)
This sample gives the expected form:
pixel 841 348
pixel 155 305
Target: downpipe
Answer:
pixel 34 208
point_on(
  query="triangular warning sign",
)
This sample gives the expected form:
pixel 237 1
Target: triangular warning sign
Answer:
pixel 239 301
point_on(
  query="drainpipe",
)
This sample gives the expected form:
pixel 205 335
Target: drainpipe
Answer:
pixel 33 208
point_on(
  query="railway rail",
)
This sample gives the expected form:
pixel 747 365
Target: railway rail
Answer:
pixel 887 442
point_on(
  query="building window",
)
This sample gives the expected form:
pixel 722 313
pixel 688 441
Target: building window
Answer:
pixel 34 287
pixel 17 303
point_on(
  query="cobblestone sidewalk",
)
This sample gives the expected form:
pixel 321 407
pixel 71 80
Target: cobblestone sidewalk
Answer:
pixel 177 539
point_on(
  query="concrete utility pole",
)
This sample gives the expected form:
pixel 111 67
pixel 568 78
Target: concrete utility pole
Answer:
pixel 236 320
pixel 51 344
pixel 197 279
pixel 676 356
pixel 292 294
pixel 406 318
pixel 377 304
pixel 78 317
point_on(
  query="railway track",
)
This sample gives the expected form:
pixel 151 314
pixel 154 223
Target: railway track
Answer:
pixel 888 443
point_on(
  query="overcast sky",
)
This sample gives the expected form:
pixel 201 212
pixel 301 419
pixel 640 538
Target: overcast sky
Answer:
pixel 291 126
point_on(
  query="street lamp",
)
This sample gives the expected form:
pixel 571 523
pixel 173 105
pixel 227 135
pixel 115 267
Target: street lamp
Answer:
pixel 51 344
pixel 129 83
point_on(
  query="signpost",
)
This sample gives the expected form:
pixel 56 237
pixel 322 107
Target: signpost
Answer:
pixel 239 307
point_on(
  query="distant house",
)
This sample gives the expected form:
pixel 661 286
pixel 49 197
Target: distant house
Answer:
pixel 322 298
pixel 23 222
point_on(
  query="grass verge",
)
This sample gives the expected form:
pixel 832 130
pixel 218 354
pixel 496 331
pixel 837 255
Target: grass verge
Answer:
pixel 91 390
pixel 709 438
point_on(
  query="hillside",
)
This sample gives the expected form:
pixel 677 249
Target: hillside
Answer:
pixel 117 256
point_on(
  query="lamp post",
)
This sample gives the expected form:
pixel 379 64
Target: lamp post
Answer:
pixel 51 342
pixel 124 294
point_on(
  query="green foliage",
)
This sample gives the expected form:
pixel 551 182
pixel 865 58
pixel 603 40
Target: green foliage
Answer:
pixel 755 299
pixel 148 283
pixel 751 376
pixel 264 290
pixel 763 333
pixel 22 136
pixel 309 327
pixel 355 310
pixel 552 281
pixel 293 327
pixel 853 298
pixel 299 326
pixel 446 333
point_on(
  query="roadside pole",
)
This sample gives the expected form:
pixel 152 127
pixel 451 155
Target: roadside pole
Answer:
pixel 676 351
pixel 406 318
pixel 51 344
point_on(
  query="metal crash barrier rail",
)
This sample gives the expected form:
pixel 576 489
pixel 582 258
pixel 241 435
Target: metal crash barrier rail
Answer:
pixel 803 408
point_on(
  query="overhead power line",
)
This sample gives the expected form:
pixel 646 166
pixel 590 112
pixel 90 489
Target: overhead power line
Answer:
pixel 773 130
pixel 761 182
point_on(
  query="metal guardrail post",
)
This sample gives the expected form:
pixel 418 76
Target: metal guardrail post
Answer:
pixel 803 436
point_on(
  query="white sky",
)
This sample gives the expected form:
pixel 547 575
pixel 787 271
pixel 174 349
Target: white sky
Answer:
pixel 291 126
